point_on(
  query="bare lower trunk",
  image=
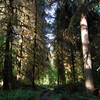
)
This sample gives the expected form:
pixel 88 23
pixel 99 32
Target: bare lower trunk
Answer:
pixel 86 55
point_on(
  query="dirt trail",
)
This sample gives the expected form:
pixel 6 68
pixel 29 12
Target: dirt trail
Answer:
pixel 46 95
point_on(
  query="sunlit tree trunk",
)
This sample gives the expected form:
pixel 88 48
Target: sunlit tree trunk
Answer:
pixel 21 55
pixel 86 55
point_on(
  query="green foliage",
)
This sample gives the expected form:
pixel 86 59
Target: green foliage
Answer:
pixel 52 75
pixel 75 96
pixel 56 97
pixel 20 95
pixel 48 79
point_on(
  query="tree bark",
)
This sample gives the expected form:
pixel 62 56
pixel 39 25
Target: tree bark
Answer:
pixel 34 63
pixel 34 49
pixel 86 55
pixel 7 72
pixel 61 70
pixel 73 63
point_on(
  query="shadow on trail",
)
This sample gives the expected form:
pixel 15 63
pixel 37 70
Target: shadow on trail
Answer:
pixel 46 95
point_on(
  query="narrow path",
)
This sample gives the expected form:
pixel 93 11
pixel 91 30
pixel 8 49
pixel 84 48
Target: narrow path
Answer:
pixel 46 95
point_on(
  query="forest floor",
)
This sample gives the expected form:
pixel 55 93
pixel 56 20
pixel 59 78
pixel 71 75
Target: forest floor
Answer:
pixel 65 92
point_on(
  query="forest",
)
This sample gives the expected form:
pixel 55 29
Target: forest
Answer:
pixel 49 50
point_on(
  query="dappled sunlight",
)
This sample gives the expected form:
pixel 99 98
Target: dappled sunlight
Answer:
pixel 20 77
pixel 88 84
pixel 1 83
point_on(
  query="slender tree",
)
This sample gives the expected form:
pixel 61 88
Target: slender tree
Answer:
pixel 73 63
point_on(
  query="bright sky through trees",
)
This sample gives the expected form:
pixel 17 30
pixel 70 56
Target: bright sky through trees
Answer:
pixel 50 19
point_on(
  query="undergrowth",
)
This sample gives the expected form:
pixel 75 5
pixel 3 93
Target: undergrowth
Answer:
pixel 74 96
pixel 71 92
pixel 20 95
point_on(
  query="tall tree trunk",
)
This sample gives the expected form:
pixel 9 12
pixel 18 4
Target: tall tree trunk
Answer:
pixel 60 64
pixel 8 59
pixel 34 45
pixel 6 64
pixel 21 55
pixel 61 71
pixel 7 72
pixel 73 63
pixel 34 63
pixel 86 55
